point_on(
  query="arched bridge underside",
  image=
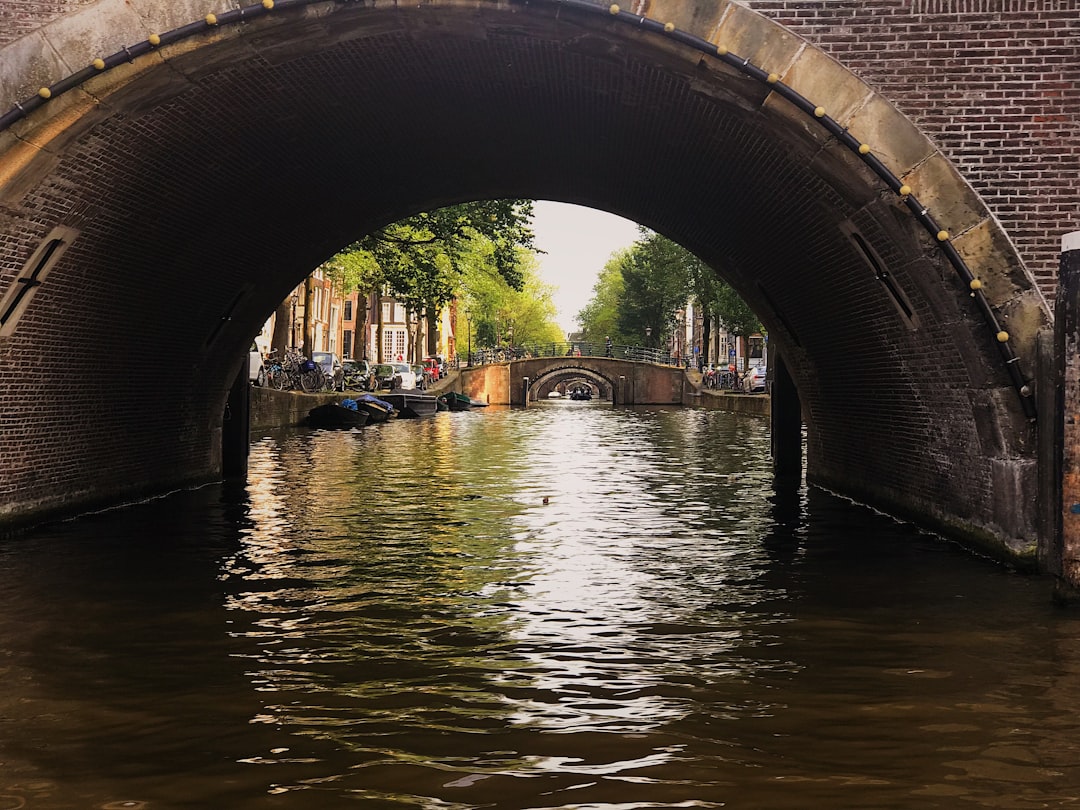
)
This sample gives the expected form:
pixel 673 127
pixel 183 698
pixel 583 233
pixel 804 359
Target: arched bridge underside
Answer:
pixel 564 380
pixel 185 171
pixel 625 381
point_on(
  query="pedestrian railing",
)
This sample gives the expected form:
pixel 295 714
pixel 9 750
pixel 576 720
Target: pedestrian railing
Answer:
pixel 642 354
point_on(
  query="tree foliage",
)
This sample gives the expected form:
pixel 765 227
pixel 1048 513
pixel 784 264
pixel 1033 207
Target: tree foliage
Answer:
pixel 420 259
pixel 600 317
pixel 499 314
pixel 642 288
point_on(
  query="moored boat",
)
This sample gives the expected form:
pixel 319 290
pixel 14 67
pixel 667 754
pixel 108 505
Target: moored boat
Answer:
pixel 409 405
pixel 333 415
pixel 378 410
pixel 456 401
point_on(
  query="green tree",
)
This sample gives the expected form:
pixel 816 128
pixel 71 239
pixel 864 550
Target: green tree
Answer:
pixel 656 278
pixel 600 316
pixel 499 314
pixel 420 260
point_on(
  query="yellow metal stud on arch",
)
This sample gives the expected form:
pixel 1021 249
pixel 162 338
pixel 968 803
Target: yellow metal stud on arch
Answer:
pixel 268 4
pixel 975 284
pixel 613 9
pixel 211 19
pixel 943 236
pixel 864 149
pixel 669 27
pixel 45 92
pixel 772 78
pixel 905 190
pixel 154 40
pixel 99 63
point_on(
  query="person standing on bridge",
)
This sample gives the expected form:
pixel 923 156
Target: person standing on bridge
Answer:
pixel 607 346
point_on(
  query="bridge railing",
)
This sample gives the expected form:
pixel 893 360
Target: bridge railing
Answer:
pixel 575 349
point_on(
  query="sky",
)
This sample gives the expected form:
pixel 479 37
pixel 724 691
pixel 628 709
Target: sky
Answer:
pixel 578 242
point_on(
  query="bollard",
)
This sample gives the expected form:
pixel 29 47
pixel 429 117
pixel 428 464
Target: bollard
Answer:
pixel 524 392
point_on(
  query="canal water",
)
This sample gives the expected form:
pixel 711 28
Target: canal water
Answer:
pixel 568 606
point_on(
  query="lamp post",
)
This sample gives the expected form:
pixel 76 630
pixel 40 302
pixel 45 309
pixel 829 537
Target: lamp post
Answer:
pixel 468 329
pixel 648 340
pixel 680 336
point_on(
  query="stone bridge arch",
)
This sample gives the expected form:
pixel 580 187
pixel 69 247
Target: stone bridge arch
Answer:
pixel 167 175
pixel 540 388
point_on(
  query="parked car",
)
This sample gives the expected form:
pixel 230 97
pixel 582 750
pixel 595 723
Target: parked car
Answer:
pixel 423 377
pixel 256 370
pixel 408 376
pixel 431 365
pixel 754 379
pixel 386 376
pixel 331 368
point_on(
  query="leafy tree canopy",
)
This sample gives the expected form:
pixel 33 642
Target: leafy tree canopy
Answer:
pixel 644 286
pixel 656 275
pixel 497 312
pixel 420 258
pixel 600 317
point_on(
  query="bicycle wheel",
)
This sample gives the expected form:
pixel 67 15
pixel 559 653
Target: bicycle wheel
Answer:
pixel 277 378
pixel 311 381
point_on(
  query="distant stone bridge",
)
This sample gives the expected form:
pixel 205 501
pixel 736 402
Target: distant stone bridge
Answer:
pixel 627 382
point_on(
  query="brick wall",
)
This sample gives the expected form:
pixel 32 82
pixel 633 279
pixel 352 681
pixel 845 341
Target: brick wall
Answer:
pixel 994 83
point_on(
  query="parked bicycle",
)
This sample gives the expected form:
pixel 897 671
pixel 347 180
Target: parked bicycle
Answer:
pixel 294 371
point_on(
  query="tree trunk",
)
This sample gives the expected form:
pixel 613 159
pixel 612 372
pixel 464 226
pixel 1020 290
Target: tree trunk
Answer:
pixel 309 298
pixel 706 335
pixel 359 347
pixel 282 325
pixel 432 333
pixel 379 328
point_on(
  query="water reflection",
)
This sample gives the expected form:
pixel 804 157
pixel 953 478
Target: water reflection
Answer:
pixel 570 606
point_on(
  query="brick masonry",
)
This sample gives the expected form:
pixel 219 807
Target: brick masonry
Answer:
pixel 994 83
pixel 204 189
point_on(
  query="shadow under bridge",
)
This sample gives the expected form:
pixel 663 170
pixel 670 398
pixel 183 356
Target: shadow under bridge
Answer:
pixel 627 382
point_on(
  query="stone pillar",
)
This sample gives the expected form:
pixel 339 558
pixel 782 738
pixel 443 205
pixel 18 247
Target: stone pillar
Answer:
pixel 524 392
pixel 236 426
pixel 786 423
pixel 1067 350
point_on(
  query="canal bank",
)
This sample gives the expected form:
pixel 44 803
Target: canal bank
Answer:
pixel 696 395
pixel 271 408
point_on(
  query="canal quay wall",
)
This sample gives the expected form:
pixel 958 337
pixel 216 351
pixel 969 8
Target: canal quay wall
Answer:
pixel 709 399
pixel 273 409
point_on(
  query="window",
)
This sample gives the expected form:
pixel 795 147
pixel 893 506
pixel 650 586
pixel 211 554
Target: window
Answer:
pixel 346 340
pixel 348 311
pixel 18 295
